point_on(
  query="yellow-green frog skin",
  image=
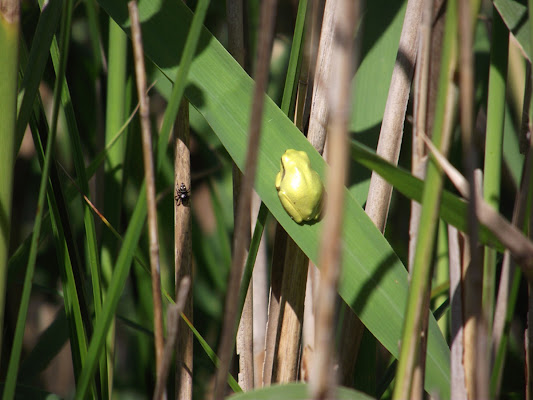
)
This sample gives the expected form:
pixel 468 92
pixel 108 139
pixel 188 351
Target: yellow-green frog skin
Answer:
pixel 299 187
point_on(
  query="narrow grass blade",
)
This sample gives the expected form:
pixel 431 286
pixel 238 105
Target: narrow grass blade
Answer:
pixel 452 208
pixel 114 292
pixel 9 44
pixel 211 354
pixel 291 82
pixel 37 60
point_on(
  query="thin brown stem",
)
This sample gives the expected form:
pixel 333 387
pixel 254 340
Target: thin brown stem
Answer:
pixel 421 94
pixel 245 344
pixel 272 331
pixel 318 120
pixel 500 322
pixel 260 301
pixel 390 136
pixel 183 251
pixel 234 15
pixel 458 388
pixel 322 380
pixel 476 350
pixel 520 247
pixel 268 11
pixel 285 363
pixel 144 113
pixel 419 161
pixel 529 345
pixel 173 318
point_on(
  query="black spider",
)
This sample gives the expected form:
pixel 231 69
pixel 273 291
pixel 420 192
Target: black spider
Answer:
pixel 182 195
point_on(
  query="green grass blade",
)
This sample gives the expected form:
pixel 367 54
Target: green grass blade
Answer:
pixel 69 264
pixel 116 287
pixel 431 198
pixel 9 44
pixel 501 352
pixel 115 110
pixel 113 179
pixel 374 281
pixel 37 60
pixel 12 373
pixel 492 171
pixel 452 208
pixel 90 233
pixel 291 82
pixel 211 354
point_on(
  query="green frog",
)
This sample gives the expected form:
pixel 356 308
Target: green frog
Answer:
pixel 299 186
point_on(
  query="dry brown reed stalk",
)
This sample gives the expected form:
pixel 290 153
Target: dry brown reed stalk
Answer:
pixel 183 252
pixel 245 342
pixel 317 135
pixel 287 348
pixel 418 168
pixel 266 31
pixel 244 339
pixel 272 331
pixel 290 265
pixel 173 318
pixel 509 236
pixel 457 371
pixel 259 300
pixel 437 34
pixel 391 133
pixel 509 268
pixel 390 136
pixel 526 143
pixel 144 113
pixel 322 377
pixel 529 337
pixel 284 340
pixel 234 16
pixel 10 10
pixel 528 341
pixel 318 120
pixel 475 330
pixel 286 309
pixel 421 94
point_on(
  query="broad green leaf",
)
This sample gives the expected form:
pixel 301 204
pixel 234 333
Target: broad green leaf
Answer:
pixel 380 36
pixel 514 14
pixel 373 281
pixel 295 391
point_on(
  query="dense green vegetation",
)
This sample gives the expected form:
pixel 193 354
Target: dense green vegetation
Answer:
pixel 76 282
